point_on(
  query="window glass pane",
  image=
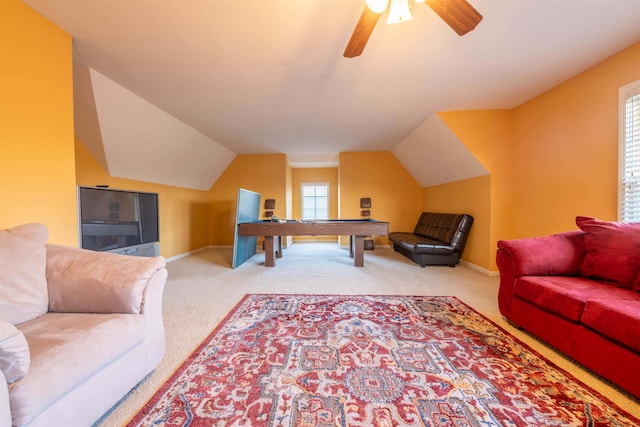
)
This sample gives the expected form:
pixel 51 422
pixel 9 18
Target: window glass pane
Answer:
pixel 630 160
pixel 321 191
pixel 315 201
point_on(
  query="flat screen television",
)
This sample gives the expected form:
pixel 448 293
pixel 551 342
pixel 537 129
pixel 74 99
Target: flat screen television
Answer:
pixel 111 220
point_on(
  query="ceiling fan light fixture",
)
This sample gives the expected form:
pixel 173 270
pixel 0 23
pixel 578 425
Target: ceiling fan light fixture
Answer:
pixel 399 11
pixel 377 6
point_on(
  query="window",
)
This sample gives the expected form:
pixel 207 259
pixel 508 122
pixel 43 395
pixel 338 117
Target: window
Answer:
pixel 315 201
pixel 629 187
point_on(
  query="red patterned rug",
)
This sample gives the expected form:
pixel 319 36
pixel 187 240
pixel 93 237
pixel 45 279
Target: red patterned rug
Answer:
pixel 329 360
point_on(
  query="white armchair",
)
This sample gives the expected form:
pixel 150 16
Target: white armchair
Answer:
pixel 92 321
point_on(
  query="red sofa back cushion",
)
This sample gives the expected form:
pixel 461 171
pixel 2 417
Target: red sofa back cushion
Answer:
pixel 613 251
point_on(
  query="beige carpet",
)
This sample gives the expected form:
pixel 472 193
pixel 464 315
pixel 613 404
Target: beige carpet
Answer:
pixel 203 288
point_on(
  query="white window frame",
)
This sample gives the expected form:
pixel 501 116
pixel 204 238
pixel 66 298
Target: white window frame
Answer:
pixel 302 198
pixel 629 159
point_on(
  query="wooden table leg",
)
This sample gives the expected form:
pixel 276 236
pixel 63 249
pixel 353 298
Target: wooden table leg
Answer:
pixel 351 247
pixel 278 246
pixel 269 259
pixel 358 251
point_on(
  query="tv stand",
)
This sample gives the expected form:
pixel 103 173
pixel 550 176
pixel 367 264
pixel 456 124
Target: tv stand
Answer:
pixel 145 249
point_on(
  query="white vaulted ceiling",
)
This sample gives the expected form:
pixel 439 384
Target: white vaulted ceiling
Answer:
pixel 138 133
pixel 433 155
pixel 186 85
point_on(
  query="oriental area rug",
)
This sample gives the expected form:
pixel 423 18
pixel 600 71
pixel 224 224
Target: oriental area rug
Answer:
pixel 337 360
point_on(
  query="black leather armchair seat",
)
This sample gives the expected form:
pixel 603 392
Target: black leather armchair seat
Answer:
pixel 437 239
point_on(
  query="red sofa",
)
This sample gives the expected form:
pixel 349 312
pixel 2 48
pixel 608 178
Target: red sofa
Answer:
pixel 579 292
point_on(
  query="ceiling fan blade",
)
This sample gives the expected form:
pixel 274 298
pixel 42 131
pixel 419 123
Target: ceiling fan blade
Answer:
pixel 361 33
pixel 458 14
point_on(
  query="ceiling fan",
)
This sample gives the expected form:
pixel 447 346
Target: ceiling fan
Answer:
pixel 458 14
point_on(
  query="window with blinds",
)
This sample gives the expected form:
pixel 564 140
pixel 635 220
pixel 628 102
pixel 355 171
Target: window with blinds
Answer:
pixel 315 201
pixel 629 194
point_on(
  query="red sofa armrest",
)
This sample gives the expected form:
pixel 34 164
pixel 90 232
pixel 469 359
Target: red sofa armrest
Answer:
pixel 556 255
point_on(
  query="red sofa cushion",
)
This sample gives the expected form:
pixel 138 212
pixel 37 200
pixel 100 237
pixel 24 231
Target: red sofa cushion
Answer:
pixel 613 251
pixel 566 296
pixel 615 319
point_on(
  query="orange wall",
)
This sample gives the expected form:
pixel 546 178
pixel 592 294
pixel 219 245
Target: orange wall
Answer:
pixel 471 196
pixel 184 213
pixel 289 192
pixel 37 180
pixel 306 175
pixel 566 157
pixel 395 196
pixel 490 136
pixel 550 159
pixel 265 174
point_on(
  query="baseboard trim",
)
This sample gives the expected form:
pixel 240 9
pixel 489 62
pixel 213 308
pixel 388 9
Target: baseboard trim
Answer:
pixel 462 262
pixel 195 251
pixel 478 268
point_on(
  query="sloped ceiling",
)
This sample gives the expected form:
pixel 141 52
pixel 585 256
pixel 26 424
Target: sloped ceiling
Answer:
pixel 434 155
pixel 268 76
pixel 142 142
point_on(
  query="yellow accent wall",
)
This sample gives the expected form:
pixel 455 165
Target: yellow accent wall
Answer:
pixel 184 213
pixel 471 196
pixel 490 136
pixel 289 192
pixel 566 157
pixel 550 159
pixel 309 175
pixel 37 173
pixel 289 197
pixel 395 196
pixel 263 173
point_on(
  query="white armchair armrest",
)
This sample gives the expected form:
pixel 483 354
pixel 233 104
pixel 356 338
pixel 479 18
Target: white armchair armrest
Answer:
pixel 80 280
pixel 5 409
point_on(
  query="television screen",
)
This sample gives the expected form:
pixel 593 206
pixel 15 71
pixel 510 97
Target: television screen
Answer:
pixel 113 219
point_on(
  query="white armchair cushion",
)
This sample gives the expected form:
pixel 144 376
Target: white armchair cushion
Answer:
pixel 23 283
pixel 14 352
